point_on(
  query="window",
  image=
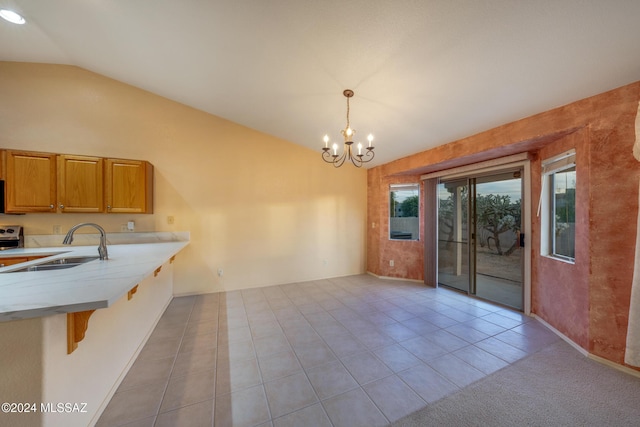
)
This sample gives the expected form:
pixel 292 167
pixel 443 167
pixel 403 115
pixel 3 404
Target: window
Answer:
pixel 404 212
pixel 558 206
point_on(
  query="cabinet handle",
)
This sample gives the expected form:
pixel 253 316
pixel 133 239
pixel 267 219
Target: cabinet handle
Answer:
pixel 108 207
pixel 51 206
pixel 61 206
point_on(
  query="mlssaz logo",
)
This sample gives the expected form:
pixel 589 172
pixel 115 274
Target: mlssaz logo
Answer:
pixel 62 407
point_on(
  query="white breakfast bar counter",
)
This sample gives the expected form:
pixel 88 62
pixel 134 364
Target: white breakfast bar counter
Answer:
pixel 96 284
pixel 122 299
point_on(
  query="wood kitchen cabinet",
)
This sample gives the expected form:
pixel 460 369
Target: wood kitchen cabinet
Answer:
pixel 48 182
pixel 30 182
pixel 129 186
pixel 4 262
pixel 80 184
pixel 7 261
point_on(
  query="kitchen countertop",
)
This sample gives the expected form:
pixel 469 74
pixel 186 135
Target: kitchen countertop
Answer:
pixel 96 284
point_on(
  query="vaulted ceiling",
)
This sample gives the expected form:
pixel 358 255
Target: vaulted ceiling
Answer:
pixel 424 72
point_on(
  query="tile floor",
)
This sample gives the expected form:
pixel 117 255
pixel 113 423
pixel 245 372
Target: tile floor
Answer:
pixel 351 351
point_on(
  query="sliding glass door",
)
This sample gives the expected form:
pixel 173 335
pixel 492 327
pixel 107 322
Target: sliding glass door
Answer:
pixel 498 251
pixel 453 235
pixel 479 236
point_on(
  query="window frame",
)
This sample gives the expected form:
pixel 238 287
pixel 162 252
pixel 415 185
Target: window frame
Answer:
pixel 547 208
pixel 404 187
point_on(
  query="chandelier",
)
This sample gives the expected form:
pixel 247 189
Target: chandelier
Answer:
pixel 330 154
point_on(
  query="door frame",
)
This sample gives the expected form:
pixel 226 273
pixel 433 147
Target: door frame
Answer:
pixel 431 214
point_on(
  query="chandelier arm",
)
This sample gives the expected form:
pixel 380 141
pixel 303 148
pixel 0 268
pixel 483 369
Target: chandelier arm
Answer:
pixel 338 161
pixel 356 160
pixel 368 155
pixel 327 157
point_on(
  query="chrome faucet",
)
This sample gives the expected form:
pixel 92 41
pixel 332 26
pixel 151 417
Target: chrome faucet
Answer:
pixel 102 248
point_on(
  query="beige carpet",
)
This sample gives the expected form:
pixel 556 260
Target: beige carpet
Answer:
pixel 554 387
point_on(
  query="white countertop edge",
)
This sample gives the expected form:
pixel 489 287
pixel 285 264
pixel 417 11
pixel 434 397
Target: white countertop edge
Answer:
pixel 94 285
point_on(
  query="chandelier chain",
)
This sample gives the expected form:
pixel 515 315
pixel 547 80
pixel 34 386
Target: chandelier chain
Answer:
pixel 348 113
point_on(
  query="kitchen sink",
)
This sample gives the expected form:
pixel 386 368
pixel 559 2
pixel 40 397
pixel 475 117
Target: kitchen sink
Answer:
pixel 56 264
pixel 44 267
pixel 69 260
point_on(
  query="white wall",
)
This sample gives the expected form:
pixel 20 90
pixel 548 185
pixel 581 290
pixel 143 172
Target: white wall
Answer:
pixel 264 210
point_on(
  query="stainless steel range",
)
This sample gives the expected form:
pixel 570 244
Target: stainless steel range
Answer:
pixel 11 237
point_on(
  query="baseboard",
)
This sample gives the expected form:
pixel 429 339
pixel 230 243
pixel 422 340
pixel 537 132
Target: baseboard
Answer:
pixel 562 336
pixel 394 278
pixel 265 285
pixel 585 353
pixel 614 365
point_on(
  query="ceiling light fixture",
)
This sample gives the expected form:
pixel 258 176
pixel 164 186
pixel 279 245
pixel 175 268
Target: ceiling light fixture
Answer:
pixel 330 154
pixel 11 16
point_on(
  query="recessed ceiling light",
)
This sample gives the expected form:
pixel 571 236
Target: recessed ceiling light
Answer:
pixel 12 16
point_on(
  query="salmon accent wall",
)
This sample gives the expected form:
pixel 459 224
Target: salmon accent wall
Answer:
pixel 407 255
pixel 587 301
pixel 560 293
pixel 613 183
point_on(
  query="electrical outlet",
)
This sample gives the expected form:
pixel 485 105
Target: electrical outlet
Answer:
pixel 57 229
pixel 131 226
pixel 391 263
pixel 220 272
pixel 170 219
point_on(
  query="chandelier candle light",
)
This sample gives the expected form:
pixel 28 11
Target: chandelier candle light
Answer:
pixel 330 154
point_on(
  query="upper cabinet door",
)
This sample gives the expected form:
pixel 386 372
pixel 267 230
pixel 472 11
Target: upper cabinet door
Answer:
pixel 81 184
pixel 129 186
pixel 30 180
